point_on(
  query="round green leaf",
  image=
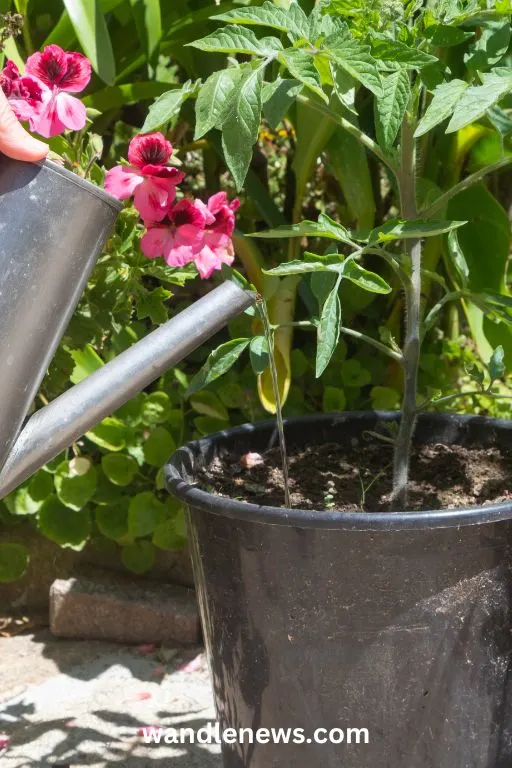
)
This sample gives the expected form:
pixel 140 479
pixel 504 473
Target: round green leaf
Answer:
pixel 119 468
pixel 205 425
pixel 14 559
pixel 40 486
pixel 139 556
pixel 64 526
pixel 158 447
pixel 156 409
pixel 354 375
pixel 166 536
pixel 75 490
pixel 385 399
pixel 334 400
pixel 24 504
pixel 110 434
pixel 145 513
pixel 112 520
pixel 106 492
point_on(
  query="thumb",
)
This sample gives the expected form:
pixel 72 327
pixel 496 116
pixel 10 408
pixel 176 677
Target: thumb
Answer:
pixel 15 142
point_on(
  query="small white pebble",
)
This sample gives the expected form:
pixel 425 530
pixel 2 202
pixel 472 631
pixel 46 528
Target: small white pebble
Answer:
pixel 250 460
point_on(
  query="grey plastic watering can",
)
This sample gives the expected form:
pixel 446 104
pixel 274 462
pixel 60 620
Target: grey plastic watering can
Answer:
pixel 53 226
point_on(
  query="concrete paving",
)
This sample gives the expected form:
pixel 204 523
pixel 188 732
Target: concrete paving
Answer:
pixel 81 704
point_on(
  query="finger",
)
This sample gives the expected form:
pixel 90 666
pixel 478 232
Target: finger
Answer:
pixel 15 142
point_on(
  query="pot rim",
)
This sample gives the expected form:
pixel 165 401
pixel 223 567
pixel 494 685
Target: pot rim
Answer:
pixel 114 203
pixel 224 506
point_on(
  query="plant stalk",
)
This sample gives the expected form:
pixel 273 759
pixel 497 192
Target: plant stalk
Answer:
pixel 412 344
pixel 269 333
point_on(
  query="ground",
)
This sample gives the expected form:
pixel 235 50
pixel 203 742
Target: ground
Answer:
pixel 77 704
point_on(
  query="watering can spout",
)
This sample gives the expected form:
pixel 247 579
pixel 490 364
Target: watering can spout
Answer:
pixel 56 426
pixel 53 226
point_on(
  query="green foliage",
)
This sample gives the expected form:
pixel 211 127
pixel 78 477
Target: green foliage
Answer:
pixel 14 560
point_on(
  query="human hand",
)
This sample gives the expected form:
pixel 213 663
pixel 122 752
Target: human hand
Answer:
pixel 15 142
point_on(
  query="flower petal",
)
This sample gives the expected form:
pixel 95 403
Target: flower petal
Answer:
pixel 71 111
pixel 59 69
pixel 152 200
pixel 149 149
pixel 154 242
pixel 169 172
pixel 122 181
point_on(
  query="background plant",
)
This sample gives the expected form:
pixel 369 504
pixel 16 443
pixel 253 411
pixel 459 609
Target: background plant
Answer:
pixel 302 164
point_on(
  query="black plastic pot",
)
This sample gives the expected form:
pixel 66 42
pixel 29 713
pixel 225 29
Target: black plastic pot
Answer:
pixel 397 623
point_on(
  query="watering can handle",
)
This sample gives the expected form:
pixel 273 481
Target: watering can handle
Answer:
pixel 57 425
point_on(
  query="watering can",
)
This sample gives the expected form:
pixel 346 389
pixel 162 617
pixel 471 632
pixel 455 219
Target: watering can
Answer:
pixel 53 226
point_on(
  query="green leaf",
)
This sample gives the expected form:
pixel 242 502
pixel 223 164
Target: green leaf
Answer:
pixel 119 468
pixel 300 64
pixel 112 520
pixel 159 447
pixel 396 51
pixel 457 258
pixel 291 20
pixel 477 99
pixel 25 504
pixel 40 485
pixel 259 354
pixel 167 107
pixel 219 362
pixel 205 425
pixel 334 399
pixel 297 268
pixel 110 434
pixel 91 30
pixel 445 99
pixel 145 513
pixel 277 99
pixel 496 365
pixel 348 162
pixel 64 526
pixel 240 129
pixel 152 304
pixel 148 20
pixel 355 58
pixel 490 46
pixel 328 332
pixel 138 557
pixel 390 107
pixel 385 399
pixel 236 39
pixel 411 230
pixel 324 227
pixel 445 36
pixel 365 279
pixel 208 404
pixel 213 102
pixel 75 489
pixel 354 375
pixel 14 560
pixel 86 361
pixel 168 536
pixel 156 408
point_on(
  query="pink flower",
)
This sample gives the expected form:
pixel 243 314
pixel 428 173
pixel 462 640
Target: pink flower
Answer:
pixel 25 93
pixel 179 238
pixel 148 178
pixel 59 73
pixel 217 246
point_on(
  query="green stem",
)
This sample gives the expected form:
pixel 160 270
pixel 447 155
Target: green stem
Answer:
pixel 412 344
pixel 354 131
pixel 471 393
pixel 269 333
pixel 453 296
pixel 473 178
pixel 348 332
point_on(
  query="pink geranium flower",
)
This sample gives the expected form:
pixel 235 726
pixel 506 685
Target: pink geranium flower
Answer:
pixel 59 74
pixel 148 178
pixel 25 93
pixel 217 246
pixel 179 238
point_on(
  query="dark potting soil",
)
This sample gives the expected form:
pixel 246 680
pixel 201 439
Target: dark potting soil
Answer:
pixel 358 478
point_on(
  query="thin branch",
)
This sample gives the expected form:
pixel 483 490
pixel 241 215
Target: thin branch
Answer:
pixel 473 178
pixel 391 260
pixel 354 131
pixel 471 393
pixel 348 332
pixel 453 296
